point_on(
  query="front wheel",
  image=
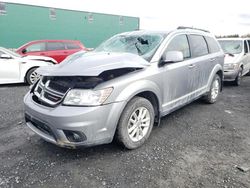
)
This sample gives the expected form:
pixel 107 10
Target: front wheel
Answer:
pixel 136 123
pixel 214 91
pixel 32 76
pixel 238 79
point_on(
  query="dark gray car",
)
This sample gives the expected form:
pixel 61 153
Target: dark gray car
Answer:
pixel 124 87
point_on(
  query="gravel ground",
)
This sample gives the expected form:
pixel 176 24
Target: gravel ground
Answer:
pixel 199 145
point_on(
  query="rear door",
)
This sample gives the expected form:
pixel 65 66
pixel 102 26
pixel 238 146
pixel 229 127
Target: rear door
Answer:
pixel 71 47
pixel 56 50
pixel 36 49
pixel 202 63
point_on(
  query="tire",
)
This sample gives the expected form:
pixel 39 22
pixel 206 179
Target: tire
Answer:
pixel 134 129
pixel 238 79
pixel 214 91
pixel 31 76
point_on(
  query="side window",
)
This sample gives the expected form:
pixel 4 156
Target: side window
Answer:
pixel 36 47
pixel 212 45
pixel 198 45
pixel 55 46
pixel 245 47
pixel 180 43
pixel 248 41
pixel 1 53
pixel 3 8
pixel 52 13
pixel 71 45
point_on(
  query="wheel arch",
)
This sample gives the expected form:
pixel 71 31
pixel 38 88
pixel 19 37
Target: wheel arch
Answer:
pixel 25 76
pixel 153 99
pixel 220 74
pixel 216 70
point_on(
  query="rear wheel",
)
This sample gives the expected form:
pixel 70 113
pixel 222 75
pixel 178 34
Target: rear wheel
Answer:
pixel 32 76
pixel 238 79
pixel 214 91
pixel 135 124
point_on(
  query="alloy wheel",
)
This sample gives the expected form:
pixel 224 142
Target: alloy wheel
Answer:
pixel 215 89
pixel 138 124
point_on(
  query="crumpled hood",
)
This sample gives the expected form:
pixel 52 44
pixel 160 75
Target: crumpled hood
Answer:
pixel 231 59
pixel 39 58
pixel 93 64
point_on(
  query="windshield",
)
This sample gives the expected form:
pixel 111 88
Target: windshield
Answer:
pixel 11 53
pixel 143 45
pixel 231 46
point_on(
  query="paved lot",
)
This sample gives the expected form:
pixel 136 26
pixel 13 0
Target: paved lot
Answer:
pixel 197 146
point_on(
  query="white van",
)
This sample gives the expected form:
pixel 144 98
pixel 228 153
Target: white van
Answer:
pixel 237 58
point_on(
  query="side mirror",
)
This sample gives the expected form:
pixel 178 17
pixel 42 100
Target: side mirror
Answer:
pixel 5 56
pixel 172 57
pixel 24 51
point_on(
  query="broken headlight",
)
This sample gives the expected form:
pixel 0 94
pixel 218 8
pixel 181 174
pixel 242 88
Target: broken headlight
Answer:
pixel 86 97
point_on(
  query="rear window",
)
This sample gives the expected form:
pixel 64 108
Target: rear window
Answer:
pixel 212 45
pixel 198 45
pixel 36 47
pixel 55 46
pixel 71 45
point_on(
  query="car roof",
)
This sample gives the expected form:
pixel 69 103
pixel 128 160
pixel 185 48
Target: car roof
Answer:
pixel 165 33
pixel 233 38
pixel 57 40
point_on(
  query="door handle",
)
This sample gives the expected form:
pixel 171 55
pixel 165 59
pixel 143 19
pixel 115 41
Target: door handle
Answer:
pixel 191 66
pixel 212 59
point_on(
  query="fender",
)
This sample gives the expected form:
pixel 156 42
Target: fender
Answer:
pixel 137 87
pixel 217 68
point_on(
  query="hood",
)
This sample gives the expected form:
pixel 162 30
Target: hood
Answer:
pixel 93 64
pixel 39 58
pixel 232 59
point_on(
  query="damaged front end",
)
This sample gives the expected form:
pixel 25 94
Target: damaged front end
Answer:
pixel 50 91
pixel 62 107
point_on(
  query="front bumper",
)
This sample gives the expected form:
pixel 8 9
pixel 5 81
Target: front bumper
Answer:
pixel 230 75
pixel 96 124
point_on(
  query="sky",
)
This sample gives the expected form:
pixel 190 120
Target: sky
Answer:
pixel 221 17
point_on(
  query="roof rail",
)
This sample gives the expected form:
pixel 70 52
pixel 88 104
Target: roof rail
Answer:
pixel 183 27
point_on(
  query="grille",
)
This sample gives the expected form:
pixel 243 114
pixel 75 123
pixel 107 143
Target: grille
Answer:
pixel 50 92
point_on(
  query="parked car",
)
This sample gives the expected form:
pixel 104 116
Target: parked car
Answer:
pixel 237 58
pixel 15 69
pixel 56 49
pixel 123 87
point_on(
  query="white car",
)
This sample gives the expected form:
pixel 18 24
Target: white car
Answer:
pixel 15 68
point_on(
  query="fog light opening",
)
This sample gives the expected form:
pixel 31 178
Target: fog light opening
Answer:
pixel 75 136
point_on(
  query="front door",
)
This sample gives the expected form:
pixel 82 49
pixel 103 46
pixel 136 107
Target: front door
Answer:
pixel 178 76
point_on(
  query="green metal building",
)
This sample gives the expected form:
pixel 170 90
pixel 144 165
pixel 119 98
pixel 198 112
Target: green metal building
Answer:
pixel 21 23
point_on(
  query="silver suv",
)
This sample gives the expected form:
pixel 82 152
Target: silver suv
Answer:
pixel 122 88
